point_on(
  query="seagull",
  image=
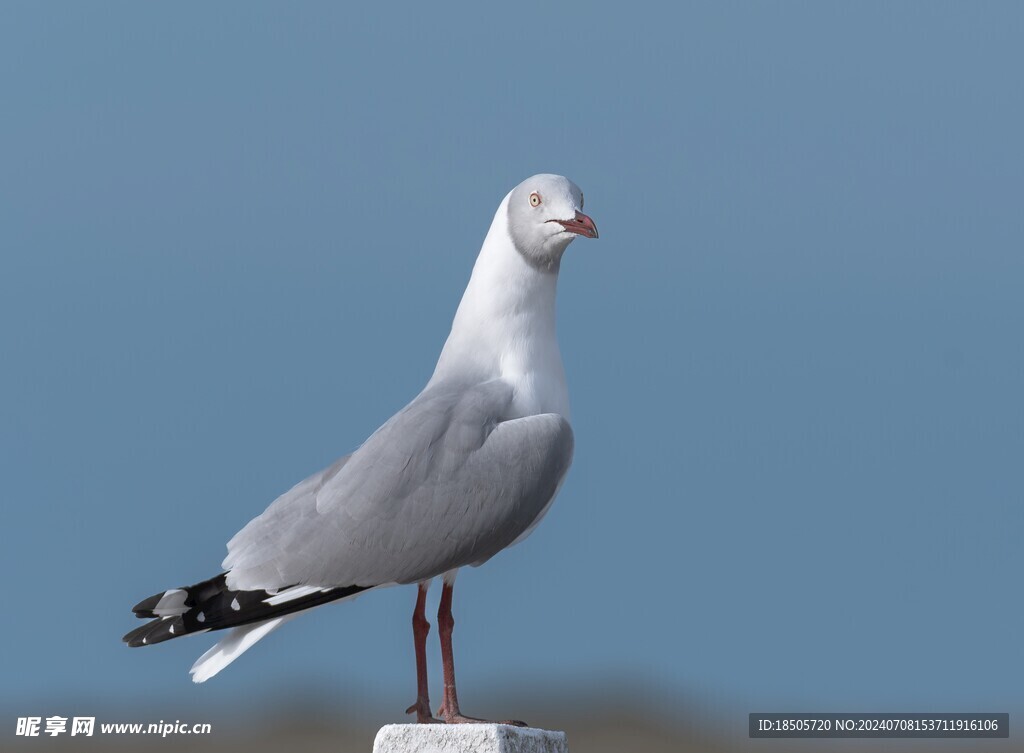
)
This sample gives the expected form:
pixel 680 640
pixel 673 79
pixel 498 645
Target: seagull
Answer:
pixel 465 470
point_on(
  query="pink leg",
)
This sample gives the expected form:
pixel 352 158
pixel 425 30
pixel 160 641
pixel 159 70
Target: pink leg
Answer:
pixel 420 628
pixel 449 710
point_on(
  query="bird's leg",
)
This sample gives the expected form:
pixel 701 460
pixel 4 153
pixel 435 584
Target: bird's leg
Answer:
pixel 449 710
pixel 420 628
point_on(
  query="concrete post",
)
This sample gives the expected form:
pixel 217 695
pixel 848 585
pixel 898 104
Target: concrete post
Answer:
pixel 467 738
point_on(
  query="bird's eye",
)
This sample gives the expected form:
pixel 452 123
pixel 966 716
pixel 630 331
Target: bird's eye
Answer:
pixel 534 199
pixel 581 200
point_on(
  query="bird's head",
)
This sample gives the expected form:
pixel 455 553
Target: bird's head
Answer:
pixel 545 214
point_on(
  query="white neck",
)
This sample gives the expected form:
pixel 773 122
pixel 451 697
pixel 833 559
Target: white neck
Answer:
pixel 505 326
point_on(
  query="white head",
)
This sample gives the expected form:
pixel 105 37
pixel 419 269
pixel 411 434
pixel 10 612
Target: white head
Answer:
pixel 544 217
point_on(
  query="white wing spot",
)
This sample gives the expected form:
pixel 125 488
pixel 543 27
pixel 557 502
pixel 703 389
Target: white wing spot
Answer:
pixel 201 617
pixel 235 605
pixel 171 603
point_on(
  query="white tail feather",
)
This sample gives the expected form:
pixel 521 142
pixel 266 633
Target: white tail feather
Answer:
pixel 236 643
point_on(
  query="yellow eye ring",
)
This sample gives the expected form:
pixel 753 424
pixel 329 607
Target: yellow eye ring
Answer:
pixel 534 199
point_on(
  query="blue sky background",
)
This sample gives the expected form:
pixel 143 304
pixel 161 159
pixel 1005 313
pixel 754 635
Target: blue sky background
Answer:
pixel 232 239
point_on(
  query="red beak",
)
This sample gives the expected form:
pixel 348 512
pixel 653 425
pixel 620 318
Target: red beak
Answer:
pixel 581 225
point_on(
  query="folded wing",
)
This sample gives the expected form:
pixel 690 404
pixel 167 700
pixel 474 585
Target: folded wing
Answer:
pixel 449 481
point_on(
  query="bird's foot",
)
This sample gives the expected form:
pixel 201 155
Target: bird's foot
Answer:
pixel 459 718
pixel 422 709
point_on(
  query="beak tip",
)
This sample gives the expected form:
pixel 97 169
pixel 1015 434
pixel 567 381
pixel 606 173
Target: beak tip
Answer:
pixel 587 224
pixel 580 225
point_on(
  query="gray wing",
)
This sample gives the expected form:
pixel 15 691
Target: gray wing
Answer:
pixel 448 481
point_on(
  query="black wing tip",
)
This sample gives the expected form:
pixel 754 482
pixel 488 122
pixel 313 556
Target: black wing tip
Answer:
pixel 156 631
pixel 145 607
pixel 211 605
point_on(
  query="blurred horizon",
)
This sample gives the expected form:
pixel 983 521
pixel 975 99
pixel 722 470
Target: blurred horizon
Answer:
pixel 596 718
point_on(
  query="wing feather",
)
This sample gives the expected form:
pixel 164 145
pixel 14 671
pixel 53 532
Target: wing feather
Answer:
pixel 450 480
